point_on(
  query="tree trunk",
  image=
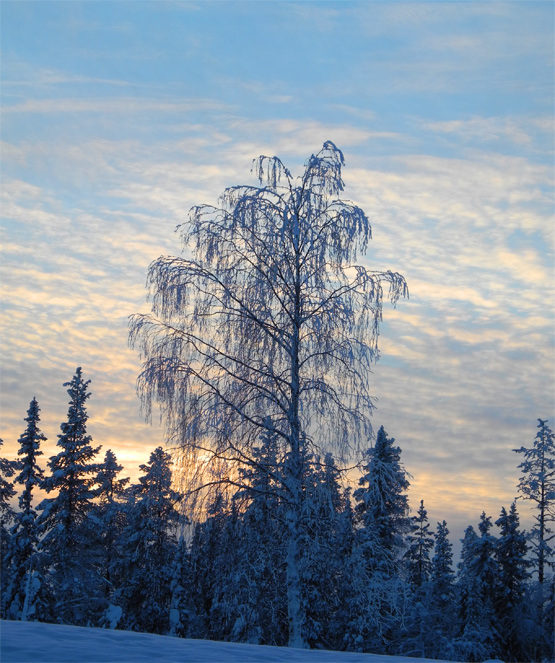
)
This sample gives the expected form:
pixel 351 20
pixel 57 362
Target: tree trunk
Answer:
pixel 27 603
pixel 295 607
pixel 293 479
pixel 541 551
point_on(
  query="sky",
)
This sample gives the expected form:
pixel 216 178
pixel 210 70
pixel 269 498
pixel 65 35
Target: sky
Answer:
pixel 117 117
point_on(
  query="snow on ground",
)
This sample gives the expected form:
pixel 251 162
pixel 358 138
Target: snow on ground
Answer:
pixel 31 642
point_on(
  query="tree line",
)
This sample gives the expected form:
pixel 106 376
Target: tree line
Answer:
pixel 100 551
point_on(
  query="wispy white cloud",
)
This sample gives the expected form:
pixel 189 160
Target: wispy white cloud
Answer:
pixel 120 105
pixel 517 130
pixel 460 200
pixel 48 77
pixel 417 203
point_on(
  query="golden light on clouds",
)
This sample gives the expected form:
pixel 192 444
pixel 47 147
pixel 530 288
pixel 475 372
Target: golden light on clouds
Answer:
pixel 448 145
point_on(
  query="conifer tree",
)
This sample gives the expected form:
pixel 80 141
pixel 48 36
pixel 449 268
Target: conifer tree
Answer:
pixel 64 521
pixel 484 564
pixel 371 596
pixel 442 577
pixel 233 590
pixel 538 485
pixel 181 602
pixel 7 491
pixel 149 548
pixel 382 507
pixel 325 542
pixel 381 514
pixel 421 542
pixel 429 584
pixel 24 571
pixel 109 513
pixel 465 580
pixel 208 545
pixel 478 637
pixel 258 515
pixel 510 552
pixel 442 596
pixel 351 561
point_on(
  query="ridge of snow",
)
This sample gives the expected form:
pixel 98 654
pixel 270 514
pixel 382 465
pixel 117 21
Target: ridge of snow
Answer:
pixel 34 642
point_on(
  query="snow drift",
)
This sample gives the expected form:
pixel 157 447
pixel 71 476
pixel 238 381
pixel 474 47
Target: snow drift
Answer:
pixel 32 642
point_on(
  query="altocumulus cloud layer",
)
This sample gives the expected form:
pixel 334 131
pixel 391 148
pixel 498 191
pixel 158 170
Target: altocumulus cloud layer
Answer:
pixel 117 118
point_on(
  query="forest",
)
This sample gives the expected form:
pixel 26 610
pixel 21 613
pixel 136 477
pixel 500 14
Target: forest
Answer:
pixel 106 553
pixel 277 513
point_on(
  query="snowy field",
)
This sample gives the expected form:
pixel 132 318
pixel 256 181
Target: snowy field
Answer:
pixel 30 642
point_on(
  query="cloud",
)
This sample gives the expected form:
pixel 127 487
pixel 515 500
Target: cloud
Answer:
pixel 38 78
pixel 119 105
pixel 462 374
pixel 526 266
pixel 525 132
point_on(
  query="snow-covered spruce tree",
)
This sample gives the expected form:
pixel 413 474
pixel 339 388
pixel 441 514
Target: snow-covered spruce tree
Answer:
pixel 465 579
pixel 110 516
pixel 421 543
pixel 268 317
pixel 483 561
pixel 7 491
pixel 510 552
pixel 326 539
pixel 417 568
pixel 536 622
pixel 441 604
pixel 22 563
pixel 351 560
pixel 538 485
pixel 477 581
pixel 182 611
pixel 64 523
pixel 150 542
pixel 239 553
pixel 381 514
pixel 256 583
pixel 382 506
pixel 231 615
pixel 372 600
pixel 235 566
pixel 209 555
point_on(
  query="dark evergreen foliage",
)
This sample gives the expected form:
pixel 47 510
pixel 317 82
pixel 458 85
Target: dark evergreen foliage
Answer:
pixel 149 548
pixel 325 541
pixel 538 485
pixel 478 636
pixel 421 542
pixel 442 595
pixel 181 608
pixel 67 558
pixel 382 507
pixel 259 577
pixel 110 518
pixel 511 578
pixel 7 492
pixel 368 583
pixel 23 566
pixel 381 515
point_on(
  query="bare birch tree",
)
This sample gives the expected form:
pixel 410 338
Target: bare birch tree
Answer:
pixel 268 326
